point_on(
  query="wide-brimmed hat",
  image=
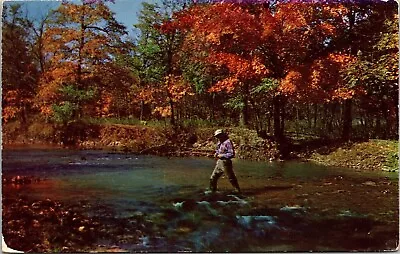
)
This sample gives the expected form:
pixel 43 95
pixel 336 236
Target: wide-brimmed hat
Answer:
pixel 218 132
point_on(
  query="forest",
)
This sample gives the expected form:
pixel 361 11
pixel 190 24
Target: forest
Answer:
pixel 327 69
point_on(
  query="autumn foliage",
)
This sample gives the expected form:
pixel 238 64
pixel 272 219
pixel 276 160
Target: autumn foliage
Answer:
pixel 263 62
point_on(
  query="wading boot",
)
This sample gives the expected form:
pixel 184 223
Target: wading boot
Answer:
pixel 213 185
pixel 235 184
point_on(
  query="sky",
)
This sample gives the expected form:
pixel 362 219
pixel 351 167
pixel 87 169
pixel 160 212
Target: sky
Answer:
pixel 125 10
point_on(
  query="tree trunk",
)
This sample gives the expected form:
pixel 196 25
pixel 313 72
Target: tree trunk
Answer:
pixel 309 118
pixel 244 115
pixel 396 129
pixel 171 104
pixel 330 120
pixel 141 110
pixel 384 110
pixel 283 116
pixel 277 118
pixel 347 120
pixel 315 116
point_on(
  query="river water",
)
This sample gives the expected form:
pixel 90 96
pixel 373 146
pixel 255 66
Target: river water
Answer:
pixel 153 186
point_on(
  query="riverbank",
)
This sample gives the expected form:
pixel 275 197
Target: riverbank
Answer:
pixel 366 155
pixel 168 141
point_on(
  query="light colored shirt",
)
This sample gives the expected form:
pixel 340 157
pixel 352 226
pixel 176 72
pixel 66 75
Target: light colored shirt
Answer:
pixel 225 149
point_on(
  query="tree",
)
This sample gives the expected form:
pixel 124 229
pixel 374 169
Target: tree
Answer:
pixel 228 34
pixel 80 47
pixel 248 43
pixel 19 75
pixel 376 68
pixel 156 61
pixel 83 79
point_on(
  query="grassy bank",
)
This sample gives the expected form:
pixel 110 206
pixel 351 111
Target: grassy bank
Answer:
pixel 371 155
pixel 159 138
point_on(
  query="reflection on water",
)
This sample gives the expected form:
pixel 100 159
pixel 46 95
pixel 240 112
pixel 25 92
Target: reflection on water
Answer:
pixel 170 191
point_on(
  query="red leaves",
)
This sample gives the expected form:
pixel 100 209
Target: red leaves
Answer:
pixel 221 26
pixel 246 43
pixel 319 82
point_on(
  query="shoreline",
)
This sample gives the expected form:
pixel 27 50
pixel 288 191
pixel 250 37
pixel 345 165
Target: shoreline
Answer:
pixel 355 155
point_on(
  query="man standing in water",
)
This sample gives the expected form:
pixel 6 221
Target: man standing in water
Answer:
pixel 224 155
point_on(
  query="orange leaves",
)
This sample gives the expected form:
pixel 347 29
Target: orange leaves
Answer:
pixel 327 29
pixel 341 59
pixel 319 82
pixel 176 87
pixel 146 94
pixel 268 23
pixel 12 101
pixel 335 10
pixel 50 84
pixel 105 103
pixel 9 113
pixel 240 69
pixel 173 90
pixel 232 35
pixel 79 50
pixel 342 93
pixel 244 45
pixel 289 85
pixel 228 84
pixel 291 16
pixel 220 26
pixel 163 111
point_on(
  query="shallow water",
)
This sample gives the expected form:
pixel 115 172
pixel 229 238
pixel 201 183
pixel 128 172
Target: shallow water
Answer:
pixel 154 186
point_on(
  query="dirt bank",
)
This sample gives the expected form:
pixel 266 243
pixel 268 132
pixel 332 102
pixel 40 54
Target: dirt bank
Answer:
pixel 142 139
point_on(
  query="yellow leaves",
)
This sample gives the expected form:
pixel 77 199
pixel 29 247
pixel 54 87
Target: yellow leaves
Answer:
pixel 163 111
pixel 342 93
pixel 335 10
pixel 9 112
pixel 11 104
pixel 342 59
pixel 177 88
pixel 213 38
pixel 104 104
pixel 46 110
pixel 174 89
pixel 327 28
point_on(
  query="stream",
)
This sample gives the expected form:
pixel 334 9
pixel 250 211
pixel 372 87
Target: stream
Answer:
pixel 167 196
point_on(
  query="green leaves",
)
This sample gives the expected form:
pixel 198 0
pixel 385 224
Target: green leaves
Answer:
pixel 64 112
pixel 73 94
pixel 266 85
pixel 235 103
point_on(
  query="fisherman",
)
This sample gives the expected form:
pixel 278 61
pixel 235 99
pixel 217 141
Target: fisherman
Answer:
pixel 224 154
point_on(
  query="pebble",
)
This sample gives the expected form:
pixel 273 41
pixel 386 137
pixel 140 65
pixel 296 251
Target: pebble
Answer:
pixel 369 183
